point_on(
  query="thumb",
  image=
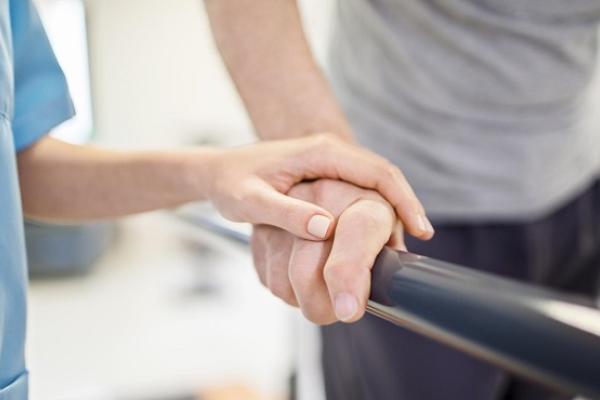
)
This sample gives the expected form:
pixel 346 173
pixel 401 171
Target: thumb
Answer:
pixel 300 218
pixel 361 232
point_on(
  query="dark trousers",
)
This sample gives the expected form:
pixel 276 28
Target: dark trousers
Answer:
pixel 373 359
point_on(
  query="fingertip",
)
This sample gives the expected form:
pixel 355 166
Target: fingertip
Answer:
pixel 428 236
pixel 320 226
pixel 429 231
pixel 420 227
pixel 346 307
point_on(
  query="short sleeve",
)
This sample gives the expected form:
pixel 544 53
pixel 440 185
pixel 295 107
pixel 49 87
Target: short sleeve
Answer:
pixel 42 99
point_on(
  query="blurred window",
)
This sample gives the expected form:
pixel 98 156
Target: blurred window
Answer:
pixel 66 26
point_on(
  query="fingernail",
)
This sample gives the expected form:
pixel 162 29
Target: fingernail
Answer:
pixel 346 306
pixel 318 226
pixel 429 226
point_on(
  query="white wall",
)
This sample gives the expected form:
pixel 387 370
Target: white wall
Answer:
pixel 157 77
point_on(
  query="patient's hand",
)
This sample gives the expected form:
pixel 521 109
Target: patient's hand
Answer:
pixel 329 280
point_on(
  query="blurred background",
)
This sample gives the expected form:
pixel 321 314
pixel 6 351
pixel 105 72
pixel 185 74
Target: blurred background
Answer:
pixel 154 306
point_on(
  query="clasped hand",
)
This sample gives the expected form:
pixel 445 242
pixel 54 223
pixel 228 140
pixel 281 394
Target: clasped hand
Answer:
pixel 329 280
pixel 322 211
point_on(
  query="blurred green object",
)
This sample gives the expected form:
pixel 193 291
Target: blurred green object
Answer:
pixel 59 250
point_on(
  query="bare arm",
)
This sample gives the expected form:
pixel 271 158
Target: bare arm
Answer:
pixel 264 47
pixel 265 50
pixel 65 182
pixel 60 181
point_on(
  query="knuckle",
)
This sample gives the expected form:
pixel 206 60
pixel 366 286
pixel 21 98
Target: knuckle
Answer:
pixel 326 138
pixel 349 275
pixel 319 186
pixel 298 276
pixel 390 171
pixel 368 215
pixel 247 194
pixel 259 261
pixel 336 272
pixel 381 214
pixel 380 211
pixel 288 212
pixel 243 195
pixel 318 314
pixel 396 173
pixel 323 189
pixel 279 285
pixel 319 189
pixel 323 142
pixel 374 220
pixel 283 291
pixel 261 277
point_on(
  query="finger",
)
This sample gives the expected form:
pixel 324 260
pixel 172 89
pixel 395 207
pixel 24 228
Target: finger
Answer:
pixel 361 167
pixel 306 277
pixel 278 280
pixel 265 205
pixel 271 249
pixel 362 231
pixel 259 248
pixel 397 239
pixel 377 173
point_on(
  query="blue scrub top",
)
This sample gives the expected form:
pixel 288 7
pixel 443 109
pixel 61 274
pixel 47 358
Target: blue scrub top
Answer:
pixel 34 98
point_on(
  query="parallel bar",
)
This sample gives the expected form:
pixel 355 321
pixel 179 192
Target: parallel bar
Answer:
pixel 536 333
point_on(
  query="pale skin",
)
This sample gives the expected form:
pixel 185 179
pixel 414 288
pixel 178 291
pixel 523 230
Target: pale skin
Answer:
pixel 265 50
pixel 317 272
pixel 64 182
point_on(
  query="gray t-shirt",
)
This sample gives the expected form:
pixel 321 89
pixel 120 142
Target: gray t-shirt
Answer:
pixel 484 104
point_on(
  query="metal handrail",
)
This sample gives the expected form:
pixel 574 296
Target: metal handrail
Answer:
pixel 540 334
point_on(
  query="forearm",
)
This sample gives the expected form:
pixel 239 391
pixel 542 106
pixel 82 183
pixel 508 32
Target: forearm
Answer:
pixel 265 50
pixel 64 182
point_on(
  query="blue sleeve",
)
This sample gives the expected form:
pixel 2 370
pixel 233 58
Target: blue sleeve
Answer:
pixel 42 99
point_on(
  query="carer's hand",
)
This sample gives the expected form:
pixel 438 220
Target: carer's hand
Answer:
pixel 250 184
pixel 330 280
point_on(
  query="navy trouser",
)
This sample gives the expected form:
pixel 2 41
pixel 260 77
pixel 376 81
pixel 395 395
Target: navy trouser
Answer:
pixel 375 360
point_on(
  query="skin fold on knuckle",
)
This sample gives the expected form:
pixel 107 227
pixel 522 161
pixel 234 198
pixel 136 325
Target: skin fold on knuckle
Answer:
pixel 302 191
pixel 259 257
pixel 283 291
pixel 306 270
pixel 392 172
pixel 240 203
pixel 349 275
pixel 303 278
pixel 314 303
pixel 369 215
pixel 276 257
pixel 319 315
pixel 311 293
pixel 325 140
pixel 335 196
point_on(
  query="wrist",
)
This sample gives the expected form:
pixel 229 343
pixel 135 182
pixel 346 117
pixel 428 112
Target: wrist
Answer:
pixel 201 168
pixel 304 121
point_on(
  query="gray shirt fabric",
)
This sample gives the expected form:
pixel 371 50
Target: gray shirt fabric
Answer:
pixel 486 105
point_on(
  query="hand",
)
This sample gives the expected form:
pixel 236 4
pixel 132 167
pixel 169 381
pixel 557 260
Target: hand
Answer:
pixel 250 184
pixel 330 280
